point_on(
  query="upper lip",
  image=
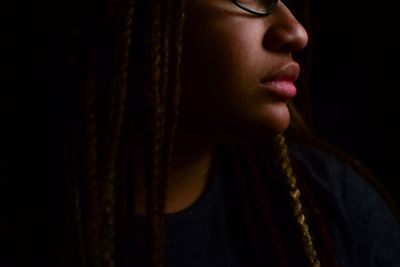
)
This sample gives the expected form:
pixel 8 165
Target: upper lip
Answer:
pixel 289 72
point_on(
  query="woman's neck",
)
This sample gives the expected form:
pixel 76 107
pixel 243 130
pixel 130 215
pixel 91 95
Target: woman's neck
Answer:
pixel 188 176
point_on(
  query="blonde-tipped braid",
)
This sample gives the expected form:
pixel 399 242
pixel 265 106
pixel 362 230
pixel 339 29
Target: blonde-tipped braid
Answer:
pixel 284 162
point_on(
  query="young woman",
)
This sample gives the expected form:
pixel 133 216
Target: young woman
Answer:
pixel 188 150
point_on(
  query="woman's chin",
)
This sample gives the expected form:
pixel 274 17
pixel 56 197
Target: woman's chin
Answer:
pixel 274 118
pixel 262 123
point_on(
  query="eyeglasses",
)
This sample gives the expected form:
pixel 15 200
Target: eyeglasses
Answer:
pixel 258 7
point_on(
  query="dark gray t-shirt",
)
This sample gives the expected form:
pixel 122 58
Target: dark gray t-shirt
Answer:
pixel 364 231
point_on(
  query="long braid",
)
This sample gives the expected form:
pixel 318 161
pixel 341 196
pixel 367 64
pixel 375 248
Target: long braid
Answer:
pixel 92 215
pixel 262 202
pixel 153 180
pixel 297 208
pixel 78 219
pixel 171 81
pixel 75 240
pixel 166 8
pixel 242 190
pixel 124 33
pixel 317 215
pixel 165 60
pixel 175 68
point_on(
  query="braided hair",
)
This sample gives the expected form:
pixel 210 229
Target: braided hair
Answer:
pixel 135 57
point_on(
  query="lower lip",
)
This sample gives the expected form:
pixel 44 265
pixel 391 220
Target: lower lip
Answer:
pixel 282 88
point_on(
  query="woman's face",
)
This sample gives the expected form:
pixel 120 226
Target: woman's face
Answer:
pixel 238 70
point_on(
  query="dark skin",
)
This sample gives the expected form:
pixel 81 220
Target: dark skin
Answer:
pixel 227 52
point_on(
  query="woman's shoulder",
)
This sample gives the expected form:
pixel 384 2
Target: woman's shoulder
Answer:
pixel 360 215
pixel 337 177
pixel 339 180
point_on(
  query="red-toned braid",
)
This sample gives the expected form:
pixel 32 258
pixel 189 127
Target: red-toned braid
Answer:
pixel 243 193
pixel 270 227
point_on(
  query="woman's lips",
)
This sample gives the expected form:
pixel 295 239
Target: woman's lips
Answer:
pixel 281 88
pixel 281 83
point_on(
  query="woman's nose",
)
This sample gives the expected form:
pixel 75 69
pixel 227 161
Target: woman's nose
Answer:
pixel 285 32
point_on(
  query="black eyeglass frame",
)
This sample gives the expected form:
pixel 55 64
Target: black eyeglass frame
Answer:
pixel 269 12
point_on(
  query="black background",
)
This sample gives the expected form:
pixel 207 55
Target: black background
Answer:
pixel 355 82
